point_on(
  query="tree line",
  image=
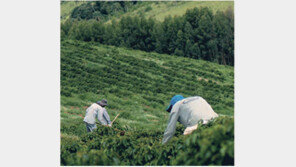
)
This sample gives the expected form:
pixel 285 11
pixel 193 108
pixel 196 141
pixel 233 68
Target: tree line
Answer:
pixel 101 10
pixel 199 34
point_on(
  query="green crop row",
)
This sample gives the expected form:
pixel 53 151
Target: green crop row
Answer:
pixel 211 144
pixel 89 69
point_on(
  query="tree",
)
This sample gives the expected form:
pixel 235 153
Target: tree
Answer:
pixel 195 51
pixel 98 31
pixel 206 33
pixel 188 31
pixel 159 39
pixel 187 50
pixel 224 29
pixel 66 26
pixel 180 42
pixel 213 50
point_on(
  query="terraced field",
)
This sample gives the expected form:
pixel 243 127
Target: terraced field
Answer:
pixel 145 81
pixel 139 85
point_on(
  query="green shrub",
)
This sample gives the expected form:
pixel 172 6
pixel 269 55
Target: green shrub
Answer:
pixel 211 144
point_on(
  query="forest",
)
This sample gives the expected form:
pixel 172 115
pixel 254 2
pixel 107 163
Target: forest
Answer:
pixel 199 34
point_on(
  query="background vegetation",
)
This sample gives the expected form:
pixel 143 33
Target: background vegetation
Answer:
pixel 157 10
pixel 200 33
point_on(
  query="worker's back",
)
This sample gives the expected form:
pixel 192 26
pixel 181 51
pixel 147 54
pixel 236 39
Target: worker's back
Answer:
pixel 194 109
pixel 189 112
pixel 92 113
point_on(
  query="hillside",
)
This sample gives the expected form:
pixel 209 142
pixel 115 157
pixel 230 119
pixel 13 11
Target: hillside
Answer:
pixel 139 85
pixel 160 10
pixel 144 81
pixel 157 10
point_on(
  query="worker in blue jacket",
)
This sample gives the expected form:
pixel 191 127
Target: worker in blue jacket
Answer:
pixel 188 111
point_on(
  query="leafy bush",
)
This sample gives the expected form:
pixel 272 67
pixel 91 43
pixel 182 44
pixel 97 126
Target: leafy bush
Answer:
pixel 148 8
pixel 211 144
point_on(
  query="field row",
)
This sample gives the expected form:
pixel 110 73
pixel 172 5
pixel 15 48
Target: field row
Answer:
pixel 90 70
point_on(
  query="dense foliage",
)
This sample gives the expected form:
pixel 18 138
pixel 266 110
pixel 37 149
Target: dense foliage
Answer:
pixel 211 144
pixel 199 34
pixel 101 10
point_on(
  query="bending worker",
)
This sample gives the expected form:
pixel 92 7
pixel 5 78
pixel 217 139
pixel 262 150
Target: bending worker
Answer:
pixel 188 111
pixel 96 110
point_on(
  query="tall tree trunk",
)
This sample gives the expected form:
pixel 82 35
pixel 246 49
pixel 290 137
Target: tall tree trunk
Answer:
pixel 224 62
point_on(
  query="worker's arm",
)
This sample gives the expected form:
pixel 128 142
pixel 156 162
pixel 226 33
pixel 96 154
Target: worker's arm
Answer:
pixel 100 117
pixel 106 116
pixel 171 128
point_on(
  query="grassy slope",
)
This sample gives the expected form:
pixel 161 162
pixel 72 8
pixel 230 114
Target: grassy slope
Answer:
pixel 163 9
pixel 159 10
pixel 138 85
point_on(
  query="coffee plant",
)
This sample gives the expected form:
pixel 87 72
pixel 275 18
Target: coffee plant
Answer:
pixel 211 144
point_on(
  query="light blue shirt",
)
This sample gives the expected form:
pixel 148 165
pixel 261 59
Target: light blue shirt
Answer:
pixel 96 111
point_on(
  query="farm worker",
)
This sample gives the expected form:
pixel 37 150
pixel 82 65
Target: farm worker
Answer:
pixel 188 111
pixel 96 110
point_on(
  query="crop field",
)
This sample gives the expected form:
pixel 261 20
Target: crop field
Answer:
pixel 139 85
